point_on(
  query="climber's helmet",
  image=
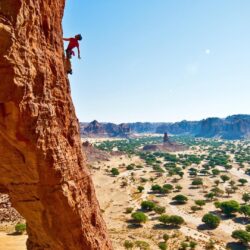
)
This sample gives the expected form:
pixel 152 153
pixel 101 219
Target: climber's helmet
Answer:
pixel 78 37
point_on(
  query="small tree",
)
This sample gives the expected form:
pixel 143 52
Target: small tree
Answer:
pixel 192 244
pixel 217 191
pixel 242 181
pixel 231 183
pixel 215 171
pixel 115 171
pixel 229 207
pixel 148 205
pixel 139 217
pixel 217 182
pixel 164 219
pixel 200 203
pixel 210 196
pixel 129 210
pixel 175 220
pixel 197 182
pixel 20 228
pixel 142 245
pixel 245 209
pixel 246 197
pixel 140 189
pixel 167 188
pixel 195 208
pixel 162 245
pixel 165 237
pixel 178 188
pixel 241 235
pixel 159 209
pixel 248 228
pixel 180 199
pixel 211 220
pixel 128 244
pixel 156 188
pixel 225 178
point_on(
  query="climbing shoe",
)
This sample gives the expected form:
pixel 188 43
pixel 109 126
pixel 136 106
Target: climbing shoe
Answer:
pixel 70 72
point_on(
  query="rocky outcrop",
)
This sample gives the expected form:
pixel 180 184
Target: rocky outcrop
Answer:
pixel 94 154
pixel 42 167
pixel 166 146
pixel 8 214
pixel 166 139
pixel 96 129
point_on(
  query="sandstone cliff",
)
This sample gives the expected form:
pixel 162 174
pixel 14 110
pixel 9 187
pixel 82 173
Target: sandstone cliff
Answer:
pixel 42 167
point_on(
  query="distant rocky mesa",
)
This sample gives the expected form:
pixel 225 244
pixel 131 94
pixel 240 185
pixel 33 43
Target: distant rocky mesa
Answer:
pixel 96 129
pixel 166 146
pixel 232 127
pixel 42 167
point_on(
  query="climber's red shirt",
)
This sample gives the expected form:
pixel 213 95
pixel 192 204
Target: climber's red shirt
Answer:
pixel 73 43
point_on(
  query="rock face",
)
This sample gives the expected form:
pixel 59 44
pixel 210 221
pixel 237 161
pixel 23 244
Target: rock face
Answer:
pixel 233 127
pixel 42 167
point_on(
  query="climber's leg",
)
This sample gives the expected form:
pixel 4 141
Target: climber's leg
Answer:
pixel 67 62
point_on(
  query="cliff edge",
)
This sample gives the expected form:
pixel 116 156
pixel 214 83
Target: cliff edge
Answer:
pixel 42 167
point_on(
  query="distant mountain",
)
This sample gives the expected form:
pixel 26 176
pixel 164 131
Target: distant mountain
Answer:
pixel 96 129
pixel 232 127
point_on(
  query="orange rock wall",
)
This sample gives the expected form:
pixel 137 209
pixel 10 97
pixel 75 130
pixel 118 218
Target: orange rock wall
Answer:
pixel 41 163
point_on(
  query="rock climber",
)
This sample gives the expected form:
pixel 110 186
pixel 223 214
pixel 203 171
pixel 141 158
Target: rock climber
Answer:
pixel 73 43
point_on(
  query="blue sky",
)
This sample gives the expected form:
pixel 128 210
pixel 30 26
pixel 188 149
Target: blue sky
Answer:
pixel 160 60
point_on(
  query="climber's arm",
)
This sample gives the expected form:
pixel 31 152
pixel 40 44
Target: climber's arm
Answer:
pixel 66 39
pixel 79 55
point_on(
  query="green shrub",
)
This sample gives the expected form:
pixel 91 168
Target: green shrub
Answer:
pixel 139 217
pixel 20 228
pixel 142 245
pixel 114 171
pixel 140 188
pixel 165 237
pixel 211 220
pixel 128 244
pixel 174 220
pixel 129 210
pixel 229 207
pixel 200 203
pixel 245 209
pixel 162 245
pixel 148 205
pixel 242 236
pixel 181 199
pixel 159 209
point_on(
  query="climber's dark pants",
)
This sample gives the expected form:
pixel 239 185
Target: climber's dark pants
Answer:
pixel 69 53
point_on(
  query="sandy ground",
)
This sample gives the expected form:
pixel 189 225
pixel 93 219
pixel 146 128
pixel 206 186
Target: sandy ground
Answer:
pixel 12 242
pixel 115 194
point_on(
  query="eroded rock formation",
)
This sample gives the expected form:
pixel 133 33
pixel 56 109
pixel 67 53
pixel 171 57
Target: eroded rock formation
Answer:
pixel 42 167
